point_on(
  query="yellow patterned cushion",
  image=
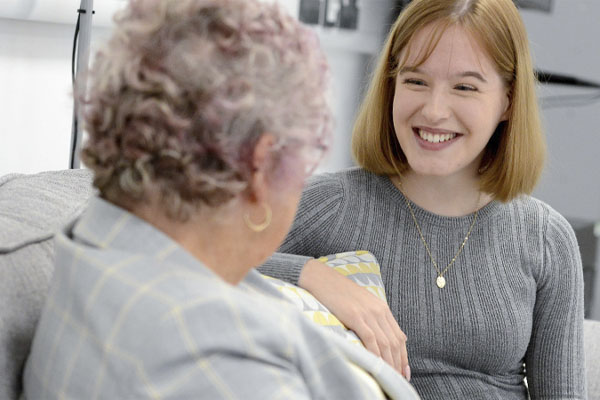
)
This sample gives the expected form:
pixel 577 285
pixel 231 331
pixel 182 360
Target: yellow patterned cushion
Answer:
pixel 359 266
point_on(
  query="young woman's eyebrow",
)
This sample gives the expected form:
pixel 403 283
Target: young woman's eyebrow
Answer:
pixel 473 74
pixel 464 74
pixel 406 69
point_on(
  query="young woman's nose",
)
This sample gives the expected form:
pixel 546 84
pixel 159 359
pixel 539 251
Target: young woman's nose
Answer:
pixel 436 107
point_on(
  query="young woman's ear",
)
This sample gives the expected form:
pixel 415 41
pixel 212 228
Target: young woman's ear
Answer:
pixel 506 113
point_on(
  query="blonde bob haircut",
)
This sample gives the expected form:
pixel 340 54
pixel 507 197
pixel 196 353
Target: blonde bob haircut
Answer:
pixel 513 158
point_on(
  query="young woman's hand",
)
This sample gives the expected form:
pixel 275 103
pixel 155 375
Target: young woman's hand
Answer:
pixel 367 315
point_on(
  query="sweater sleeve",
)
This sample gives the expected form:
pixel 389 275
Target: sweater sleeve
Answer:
pixel 319 206
pixel 555 359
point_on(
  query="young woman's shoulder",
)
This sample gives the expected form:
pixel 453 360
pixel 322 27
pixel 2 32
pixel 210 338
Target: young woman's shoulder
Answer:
pixel 352 180
pixel 536 213
pixel 547 237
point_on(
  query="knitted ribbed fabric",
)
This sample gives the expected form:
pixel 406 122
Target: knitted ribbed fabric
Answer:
pixel 514 296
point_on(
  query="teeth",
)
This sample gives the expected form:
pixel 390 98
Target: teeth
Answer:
pixel 435 138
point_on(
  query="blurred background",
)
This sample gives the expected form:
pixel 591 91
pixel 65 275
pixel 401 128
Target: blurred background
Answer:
pixel 36 107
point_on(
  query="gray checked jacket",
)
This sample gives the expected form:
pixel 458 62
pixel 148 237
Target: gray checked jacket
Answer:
pixel 131 315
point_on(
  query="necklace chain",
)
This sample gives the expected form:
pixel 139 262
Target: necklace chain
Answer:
pixel 441 281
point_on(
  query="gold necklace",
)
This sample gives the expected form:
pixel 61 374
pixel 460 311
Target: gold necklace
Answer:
pixel 440 280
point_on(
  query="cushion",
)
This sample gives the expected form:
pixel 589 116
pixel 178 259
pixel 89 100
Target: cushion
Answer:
pixel 358 266
pixel 32 208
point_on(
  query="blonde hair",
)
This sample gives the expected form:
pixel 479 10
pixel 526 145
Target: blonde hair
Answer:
pixel 514 157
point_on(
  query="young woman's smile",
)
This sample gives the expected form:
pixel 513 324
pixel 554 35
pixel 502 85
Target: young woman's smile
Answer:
pixel 434 139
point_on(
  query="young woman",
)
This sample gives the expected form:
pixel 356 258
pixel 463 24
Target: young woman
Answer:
pixel 484 282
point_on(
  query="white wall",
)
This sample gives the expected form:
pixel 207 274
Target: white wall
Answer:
pixel 34 105
pixel 347 85
pixel 35 77
pixel 36 39
pixel 568 41
pixel 36 101
pixel 351 55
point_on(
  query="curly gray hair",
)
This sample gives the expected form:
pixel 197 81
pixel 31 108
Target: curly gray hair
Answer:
pixel 183 90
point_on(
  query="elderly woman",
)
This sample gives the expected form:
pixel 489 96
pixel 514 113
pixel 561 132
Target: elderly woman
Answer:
pixel 204 118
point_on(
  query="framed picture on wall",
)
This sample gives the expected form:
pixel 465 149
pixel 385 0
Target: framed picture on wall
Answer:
pixel 330 13
pixel 310 11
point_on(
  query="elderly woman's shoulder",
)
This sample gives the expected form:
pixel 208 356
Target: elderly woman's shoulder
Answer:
pixel 227 308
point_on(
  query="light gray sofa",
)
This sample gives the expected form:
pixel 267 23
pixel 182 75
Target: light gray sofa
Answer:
pixel 32 208
pixel 591 331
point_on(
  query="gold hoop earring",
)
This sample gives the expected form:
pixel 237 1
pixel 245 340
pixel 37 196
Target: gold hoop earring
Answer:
pixel 263 225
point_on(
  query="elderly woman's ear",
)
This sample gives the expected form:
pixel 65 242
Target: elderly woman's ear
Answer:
pixel 258 189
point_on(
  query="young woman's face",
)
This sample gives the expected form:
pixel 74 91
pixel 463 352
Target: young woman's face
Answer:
pixel 446 109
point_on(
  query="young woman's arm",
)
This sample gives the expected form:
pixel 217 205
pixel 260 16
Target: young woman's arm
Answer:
pixel 369 317
pixel 555 359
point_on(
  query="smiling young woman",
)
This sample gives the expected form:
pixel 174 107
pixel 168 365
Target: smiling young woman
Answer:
pixel 484 282
pixel 446 108
pixel 513 158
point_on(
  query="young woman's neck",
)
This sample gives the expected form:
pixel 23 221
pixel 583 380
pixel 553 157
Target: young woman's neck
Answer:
pixel 450 196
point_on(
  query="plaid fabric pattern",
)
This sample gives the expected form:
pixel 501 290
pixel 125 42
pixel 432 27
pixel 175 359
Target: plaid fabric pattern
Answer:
pixel 132 315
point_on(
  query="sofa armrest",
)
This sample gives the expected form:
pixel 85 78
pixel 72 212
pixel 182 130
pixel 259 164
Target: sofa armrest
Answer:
pixel 591 332
pixel 32 208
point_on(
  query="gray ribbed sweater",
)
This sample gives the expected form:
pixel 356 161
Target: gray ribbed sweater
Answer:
pixel 514 296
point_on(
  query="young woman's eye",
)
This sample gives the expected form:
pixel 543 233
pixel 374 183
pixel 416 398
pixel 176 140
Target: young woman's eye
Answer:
pixel 414 82
pixel 466 88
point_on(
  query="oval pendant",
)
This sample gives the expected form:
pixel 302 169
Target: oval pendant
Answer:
pixel 440 281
